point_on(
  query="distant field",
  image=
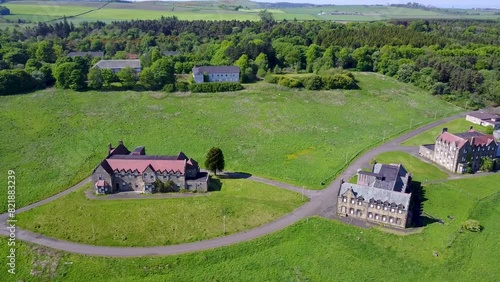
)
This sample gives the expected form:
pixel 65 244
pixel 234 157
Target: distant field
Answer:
pixel 454 126
pixel 48 10
pixel 244 204
pixel 296 136
pixel 313 249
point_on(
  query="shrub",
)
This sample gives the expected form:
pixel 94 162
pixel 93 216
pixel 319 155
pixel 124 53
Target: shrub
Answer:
pixel 487 164
pixel 169 88
pixel 339 81
pixel 270 78
pixel 289 82
pixel 313 82
pixel 489 129
pixel 209 87
pixel 182 86
pixel 472 225
pixel 261 73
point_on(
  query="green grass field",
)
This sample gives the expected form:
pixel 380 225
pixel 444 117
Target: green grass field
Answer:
pixel 48 10
pixel 454 126
pixel 313 250
pixel 56 137
pixel 152 222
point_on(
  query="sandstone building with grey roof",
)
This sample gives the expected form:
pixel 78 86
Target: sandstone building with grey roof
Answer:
pixel 380 196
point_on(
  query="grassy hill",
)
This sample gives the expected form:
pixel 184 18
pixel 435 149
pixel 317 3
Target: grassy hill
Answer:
pixel 56 137
pixel 314 249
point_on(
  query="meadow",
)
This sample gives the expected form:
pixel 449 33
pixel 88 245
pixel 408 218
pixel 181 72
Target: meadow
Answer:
pixel 212 10
pixel 314 249
pixel 454 126
pixel 56 137
pixel 239 205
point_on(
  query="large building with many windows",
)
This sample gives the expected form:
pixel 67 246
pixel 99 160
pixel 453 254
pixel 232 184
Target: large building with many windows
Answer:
pixel 380 196
pixel 123 170
pixel 216 74
pixel 459 152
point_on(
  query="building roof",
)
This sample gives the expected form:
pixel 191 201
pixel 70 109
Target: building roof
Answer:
pixel 140 164
pixel 484 116
pixel 118 64
pixel 216 69
pixel 101 183
pixel 370 193
pixel 387 176
pixel 473 137
pixel 171 53
pixel 83 54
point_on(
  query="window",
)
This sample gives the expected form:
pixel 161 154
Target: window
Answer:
pixel 351 211
pixel 400 211
pixel 344 199
pixel 385 208
pixel 352 201
pixel 391 219
pixel 398 220
pixel 360 203
pixel 384 218
pixel 343 209
pixel 370 215
pixel 371 205
pixel 393 210
pixel 358 213
pixel 377 217
pixel 378 207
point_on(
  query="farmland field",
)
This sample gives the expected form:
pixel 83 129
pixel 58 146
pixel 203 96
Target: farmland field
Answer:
pixel 56 137
pixel 211 10
pixel 310 133
pixel 239 205
pixel 454 126
pixel 314 249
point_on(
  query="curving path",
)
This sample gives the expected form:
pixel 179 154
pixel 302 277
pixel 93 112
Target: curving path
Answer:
pixel 322 202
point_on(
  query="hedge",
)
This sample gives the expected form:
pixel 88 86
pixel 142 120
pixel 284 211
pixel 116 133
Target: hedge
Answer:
pixel 209 87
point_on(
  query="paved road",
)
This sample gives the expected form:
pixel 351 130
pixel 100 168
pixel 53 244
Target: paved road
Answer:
pixel 321 202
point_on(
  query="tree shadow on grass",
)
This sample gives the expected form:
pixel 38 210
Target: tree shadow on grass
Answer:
pixel 234 175
pixel 419 217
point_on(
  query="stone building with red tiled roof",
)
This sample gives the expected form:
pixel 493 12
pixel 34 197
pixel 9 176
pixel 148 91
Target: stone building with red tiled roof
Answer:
pixel 458 151
pixel 123 170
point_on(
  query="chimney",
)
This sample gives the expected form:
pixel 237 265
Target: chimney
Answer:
pixel 445 129
pixel 110 147
pixel 120 142
pixel 471 128
pixel 472 141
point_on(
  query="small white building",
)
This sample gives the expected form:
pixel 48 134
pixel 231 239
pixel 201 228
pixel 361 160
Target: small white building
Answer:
pixel 216 74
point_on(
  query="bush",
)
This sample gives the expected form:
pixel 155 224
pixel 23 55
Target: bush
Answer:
pixel 289 82
pixel 313 82
pixel 269 78
pixel 169 88
pixel 472 225
pixel 489 129
pixel 182 86
pixel 339 81
pixel 210 87
pixel 261 73
pixel 16 81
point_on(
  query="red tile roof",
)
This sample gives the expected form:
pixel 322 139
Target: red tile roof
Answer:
pixel 475 138
pixel 101 183
pixel 141 165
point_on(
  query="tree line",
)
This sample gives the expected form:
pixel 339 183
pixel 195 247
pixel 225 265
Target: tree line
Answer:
pixel 457 59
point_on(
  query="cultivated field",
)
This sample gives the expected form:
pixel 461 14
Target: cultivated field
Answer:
pixel 239 205
pixel 56 137
pixel 429 136
pixel 211 10
pixel 314 249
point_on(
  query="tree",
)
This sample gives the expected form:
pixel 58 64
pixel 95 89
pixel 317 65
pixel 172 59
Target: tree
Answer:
pixel 486 164
pixel 266 16
pixel 45 52
pixel 63 74
pixel 108 77
pixel 147 78
pixel 489 129
pixel 215 160
pixel 312 53
pixel 242 62
pixel 94 78
pixel 261 62
pixel 77 80
pixel 127 77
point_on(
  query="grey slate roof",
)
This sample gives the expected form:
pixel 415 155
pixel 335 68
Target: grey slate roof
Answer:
pixel 171 53
pixel 118 64
pixel 83 54
pixel 383 195
pixel 484 115
pixel 216 69
pixel 387 176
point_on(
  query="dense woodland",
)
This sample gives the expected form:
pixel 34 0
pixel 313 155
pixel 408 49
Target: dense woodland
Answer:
pixel 457 59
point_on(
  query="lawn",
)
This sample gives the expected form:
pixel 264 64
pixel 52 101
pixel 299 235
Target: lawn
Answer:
pixel 56 137
pixel 454 126
pixel 420 170
pixel 314 249
pixel 240 205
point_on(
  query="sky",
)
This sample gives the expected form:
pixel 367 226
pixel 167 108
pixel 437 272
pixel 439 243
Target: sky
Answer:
pixel 435 3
